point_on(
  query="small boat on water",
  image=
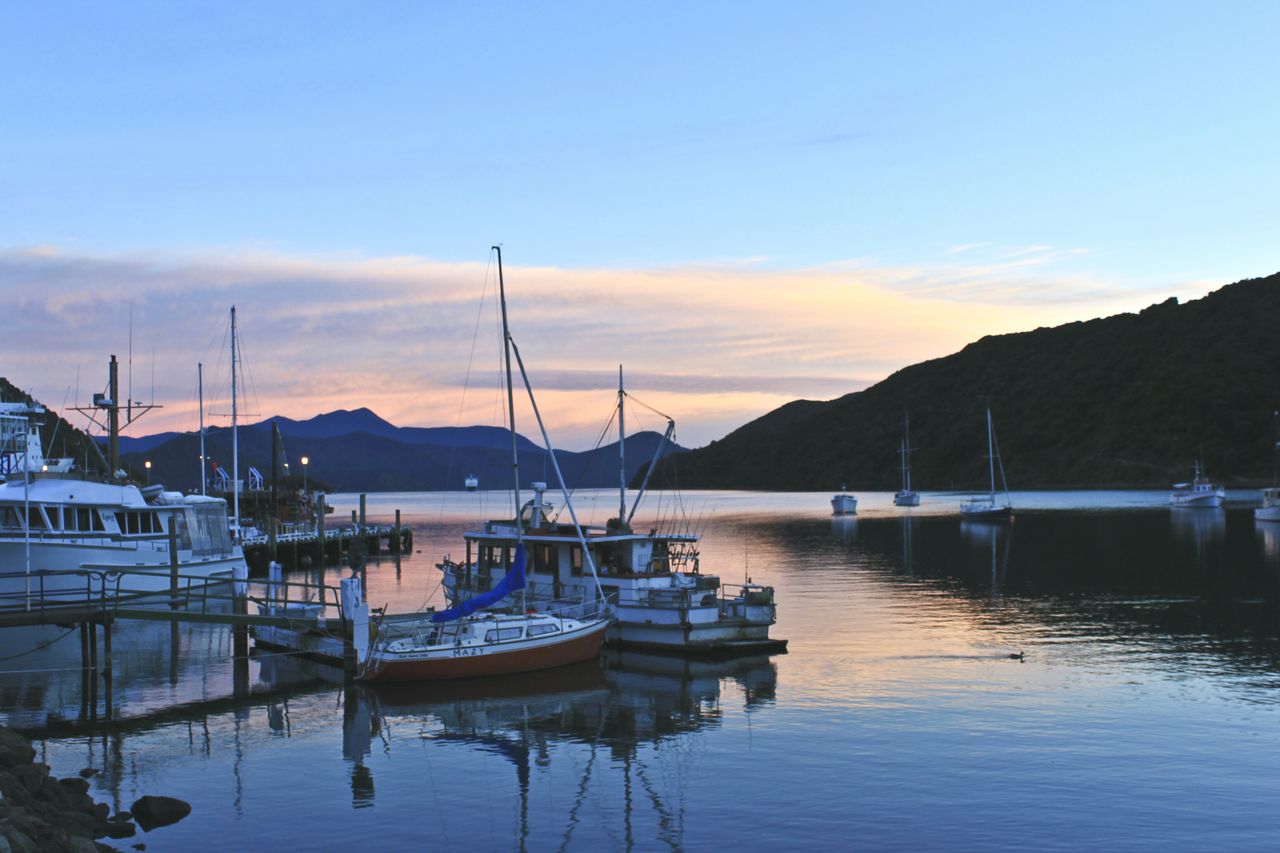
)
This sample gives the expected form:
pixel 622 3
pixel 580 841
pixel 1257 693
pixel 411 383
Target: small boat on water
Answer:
pixel 906 496
pixel 992 506
pixel 1198 493
pixel 463 643
pixel 844 504
pixel 1270 509
pixel 471 483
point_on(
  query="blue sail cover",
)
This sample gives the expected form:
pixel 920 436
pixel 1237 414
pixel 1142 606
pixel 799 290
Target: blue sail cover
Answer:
pixel 512 582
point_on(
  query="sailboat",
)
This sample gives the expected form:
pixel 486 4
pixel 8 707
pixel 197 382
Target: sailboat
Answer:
pixel 467 641
pixel 906 496
pixel 990 507
pixel 1270 509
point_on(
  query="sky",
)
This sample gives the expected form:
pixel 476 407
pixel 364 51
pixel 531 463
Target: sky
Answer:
pixel 743 204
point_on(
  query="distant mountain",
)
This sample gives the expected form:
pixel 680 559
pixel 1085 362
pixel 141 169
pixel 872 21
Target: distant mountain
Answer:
pixel 379 456
pixel 1132 399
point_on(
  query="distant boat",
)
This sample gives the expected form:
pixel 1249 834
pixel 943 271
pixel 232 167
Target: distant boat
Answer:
pixel 843 504
pixel 472 482
pixel 990 507
pixel 1198 493
pixel 906 496
pixel 1270 509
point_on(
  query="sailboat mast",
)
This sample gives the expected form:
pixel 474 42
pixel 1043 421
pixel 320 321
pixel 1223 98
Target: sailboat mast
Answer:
pixel 991 456
pixel 200 387
pixel 906 452
pixel 622 452
pixel 235 431
pixel 511 398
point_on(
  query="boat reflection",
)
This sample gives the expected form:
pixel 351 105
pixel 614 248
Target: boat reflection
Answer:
pixel 844 528
pixel 995 537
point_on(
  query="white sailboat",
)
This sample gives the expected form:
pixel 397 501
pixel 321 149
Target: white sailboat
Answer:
pixel 991 506
pixel 906 496
pixel 468 641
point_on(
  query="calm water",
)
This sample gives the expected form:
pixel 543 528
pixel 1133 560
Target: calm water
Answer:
pixel 1145 713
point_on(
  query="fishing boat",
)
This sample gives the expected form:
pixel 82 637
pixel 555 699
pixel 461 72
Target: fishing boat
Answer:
pixel 471 483
pixel 906 496
pixel 63 534
pixel 843 503
pixel 660 598
pixel 1199 492
pixel 992 506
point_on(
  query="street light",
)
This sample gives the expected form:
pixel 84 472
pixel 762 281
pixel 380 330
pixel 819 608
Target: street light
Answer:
pixel 305 462
pixel 147 465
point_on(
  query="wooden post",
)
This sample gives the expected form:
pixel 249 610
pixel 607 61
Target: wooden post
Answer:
pixel 93 668
pixel 106 663
pixel 363 514
pixel 395 534
pixel 173 561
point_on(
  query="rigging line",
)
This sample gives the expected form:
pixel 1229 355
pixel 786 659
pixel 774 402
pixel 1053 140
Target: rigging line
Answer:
pixel 466 379
pixel 41 646
pixel 591 459
pixel 647 406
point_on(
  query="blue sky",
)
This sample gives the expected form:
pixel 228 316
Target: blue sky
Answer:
pixel 1125 150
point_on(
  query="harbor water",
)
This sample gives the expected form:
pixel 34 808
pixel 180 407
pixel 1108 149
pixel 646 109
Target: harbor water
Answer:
pixel 1102 673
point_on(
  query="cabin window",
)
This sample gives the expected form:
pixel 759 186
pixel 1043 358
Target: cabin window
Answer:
pixel 54 514
pixel 95 518
pixel 9 518
pixel 575 561
pixel 497 635
pixel 542 630
pixel 544 558
pixel 35 519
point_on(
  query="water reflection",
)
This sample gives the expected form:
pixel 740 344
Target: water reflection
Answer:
pixel 844 528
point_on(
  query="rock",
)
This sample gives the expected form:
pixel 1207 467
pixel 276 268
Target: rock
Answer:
pixel 19 841
pixel 89 771
pixel 139 846
pixel 151 812
pixel 80 844
pixel 120 829
pixel 14 748
pixel 100 811
pixel 32 776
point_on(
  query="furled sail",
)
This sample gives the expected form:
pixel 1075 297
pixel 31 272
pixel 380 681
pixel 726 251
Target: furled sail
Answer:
pixel 513 581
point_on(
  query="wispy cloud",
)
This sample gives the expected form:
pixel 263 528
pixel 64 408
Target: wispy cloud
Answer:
pixel 713 344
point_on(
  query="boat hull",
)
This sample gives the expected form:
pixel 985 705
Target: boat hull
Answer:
pixel 1267 513
pixel 1210 500
pixel 844 505
pixel 464 662
pixel 997 513
pixel 906 499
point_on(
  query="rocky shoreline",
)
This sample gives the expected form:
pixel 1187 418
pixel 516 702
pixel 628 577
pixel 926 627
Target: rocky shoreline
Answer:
pixel 39 812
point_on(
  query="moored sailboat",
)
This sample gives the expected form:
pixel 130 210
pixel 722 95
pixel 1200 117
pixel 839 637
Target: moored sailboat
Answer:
pixel 906 496
pixel 466 640
pixel 992 506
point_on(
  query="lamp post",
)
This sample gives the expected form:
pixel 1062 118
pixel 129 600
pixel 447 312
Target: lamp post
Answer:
pixel 305 462
pixel 147 465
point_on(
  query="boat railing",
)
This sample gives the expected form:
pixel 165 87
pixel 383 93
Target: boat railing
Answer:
pixel 113 589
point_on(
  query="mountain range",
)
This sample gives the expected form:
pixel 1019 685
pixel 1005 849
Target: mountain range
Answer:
pixel 359 451
pixel 1127 400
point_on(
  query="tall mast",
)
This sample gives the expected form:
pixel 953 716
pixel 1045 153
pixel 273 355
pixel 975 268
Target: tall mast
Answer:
pixel 906 450
pixel 113 419
pixel 991 456
pixel 622 452
pixel 235 431
pixel 511 399
pixel 200 386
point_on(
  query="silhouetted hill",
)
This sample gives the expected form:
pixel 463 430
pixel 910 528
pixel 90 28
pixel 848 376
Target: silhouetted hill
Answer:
pixel 1131 399
pixel 390 459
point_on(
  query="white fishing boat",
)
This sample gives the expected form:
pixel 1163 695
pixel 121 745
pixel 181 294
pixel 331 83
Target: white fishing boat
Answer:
pixel 1198 493
pixel 906 496
pixel 62 535
pixel 471 483
pixel 993 506
pixel 660 598
pixel 1270 509
pixel 844 503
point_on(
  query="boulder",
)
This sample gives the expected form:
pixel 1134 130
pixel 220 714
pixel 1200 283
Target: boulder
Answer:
pixel 151 812
pixel 14 748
